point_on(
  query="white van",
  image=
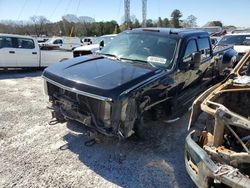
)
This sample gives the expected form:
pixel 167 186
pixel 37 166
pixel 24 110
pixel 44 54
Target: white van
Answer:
pixel 23 51
pixel 65 43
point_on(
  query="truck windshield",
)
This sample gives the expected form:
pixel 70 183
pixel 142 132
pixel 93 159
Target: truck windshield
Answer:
pixel 155 50
pixel 235 40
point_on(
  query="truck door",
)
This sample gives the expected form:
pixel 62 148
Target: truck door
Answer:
pixel 8 56
pixel 59 43
pixel 27 53
pixel 187 72
pixel 205 48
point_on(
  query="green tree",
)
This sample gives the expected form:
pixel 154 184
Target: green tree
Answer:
pixel 217 23
pixel 39 23
pixel 214 23
pixel 160 22
pixel 191 21
pixel 136 24
pixel 166 22
pixel 175 18
pixel 149 23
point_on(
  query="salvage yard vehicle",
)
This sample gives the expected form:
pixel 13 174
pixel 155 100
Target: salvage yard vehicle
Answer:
pixel 63 43
pixel 240 41
pixel 150 73
pixel 94 46
pixel 87 40
pixel 23 51
pixel 217 152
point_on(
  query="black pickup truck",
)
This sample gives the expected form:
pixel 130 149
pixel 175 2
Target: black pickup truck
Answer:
pixel 150 73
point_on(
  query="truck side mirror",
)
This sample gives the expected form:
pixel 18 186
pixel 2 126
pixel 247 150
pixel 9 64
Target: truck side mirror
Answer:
pixel 101 45
pixel 213 41
pixel 196 60
pixel 192 62
pixel 196 57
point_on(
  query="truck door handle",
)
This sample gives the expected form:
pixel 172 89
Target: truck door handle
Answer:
pixel 11 52
pixel 34 52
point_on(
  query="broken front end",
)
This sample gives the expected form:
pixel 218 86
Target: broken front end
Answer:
pixel 109 117
pixel 217 151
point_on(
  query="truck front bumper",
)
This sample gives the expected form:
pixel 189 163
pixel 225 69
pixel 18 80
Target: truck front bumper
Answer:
pixel 204 172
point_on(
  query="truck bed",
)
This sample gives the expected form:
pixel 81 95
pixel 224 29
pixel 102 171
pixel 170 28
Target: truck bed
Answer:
pixel 49 57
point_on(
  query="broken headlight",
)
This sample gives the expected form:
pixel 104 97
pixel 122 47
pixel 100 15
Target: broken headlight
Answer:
pixel 107 114
pixel 124 110
pixel 45 87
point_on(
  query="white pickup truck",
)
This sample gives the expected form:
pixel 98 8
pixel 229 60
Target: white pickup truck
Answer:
pixel 64 43
pixel 23 51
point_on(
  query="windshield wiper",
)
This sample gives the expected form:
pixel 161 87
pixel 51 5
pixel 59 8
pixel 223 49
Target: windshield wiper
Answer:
pixel 138 60
pixel 109 55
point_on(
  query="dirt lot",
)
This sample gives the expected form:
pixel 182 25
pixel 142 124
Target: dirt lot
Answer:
pixel 36 154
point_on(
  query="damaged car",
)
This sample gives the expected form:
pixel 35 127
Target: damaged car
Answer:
pixel 141 75
pixel 217 151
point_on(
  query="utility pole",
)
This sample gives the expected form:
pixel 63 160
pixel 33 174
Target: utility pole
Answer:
pixel 144 13
pixel 127 13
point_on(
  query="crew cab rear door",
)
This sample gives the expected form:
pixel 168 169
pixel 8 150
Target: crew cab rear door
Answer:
pixel 205 48
pixel 27 52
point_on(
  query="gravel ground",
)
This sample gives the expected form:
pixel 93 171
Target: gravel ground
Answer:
pixel 36 154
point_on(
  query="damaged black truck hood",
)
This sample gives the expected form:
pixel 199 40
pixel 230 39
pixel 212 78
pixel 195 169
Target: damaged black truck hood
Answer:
pixel 98 75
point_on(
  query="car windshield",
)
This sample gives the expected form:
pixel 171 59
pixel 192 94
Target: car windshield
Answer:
pixel 153 49
pixel 50 41
pixel 106 39
pixel 235 40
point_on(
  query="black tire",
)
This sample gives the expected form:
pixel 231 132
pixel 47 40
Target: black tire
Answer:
pixel 141 130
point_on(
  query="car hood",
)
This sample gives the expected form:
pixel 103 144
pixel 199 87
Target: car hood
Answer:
pixel 98 75
pixel 87 47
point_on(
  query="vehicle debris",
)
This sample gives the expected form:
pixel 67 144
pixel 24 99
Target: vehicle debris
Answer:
pixel 218 153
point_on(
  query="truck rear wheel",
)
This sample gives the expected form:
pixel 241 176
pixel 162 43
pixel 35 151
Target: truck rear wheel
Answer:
pixel 142 129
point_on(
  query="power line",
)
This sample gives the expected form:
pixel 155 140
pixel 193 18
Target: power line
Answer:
pixel 78 5
pixel 21 11
pixel 53 12
pixel 67 7
pixel 38 6
pixel 127 12
pixel 144 12
pixel 119 10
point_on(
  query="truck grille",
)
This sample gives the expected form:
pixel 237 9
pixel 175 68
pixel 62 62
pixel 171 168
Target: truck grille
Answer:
pixel 79 103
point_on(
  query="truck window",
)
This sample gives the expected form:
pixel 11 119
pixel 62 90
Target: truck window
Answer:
pixel 26 43
pixel 6 42
pixel 58 41
pixel 204 48
pixel 190 49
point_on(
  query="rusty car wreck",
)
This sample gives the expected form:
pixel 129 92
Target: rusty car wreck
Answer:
pixel 217 151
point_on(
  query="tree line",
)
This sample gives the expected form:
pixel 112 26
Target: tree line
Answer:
pixel 40 25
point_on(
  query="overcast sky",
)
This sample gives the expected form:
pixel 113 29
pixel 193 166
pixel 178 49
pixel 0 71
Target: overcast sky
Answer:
pixel 230 12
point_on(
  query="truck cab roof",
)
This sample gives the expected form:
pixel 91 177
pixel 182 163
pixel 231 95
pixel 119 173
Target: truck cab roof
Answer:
pixel 175 32
pixel 15 35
